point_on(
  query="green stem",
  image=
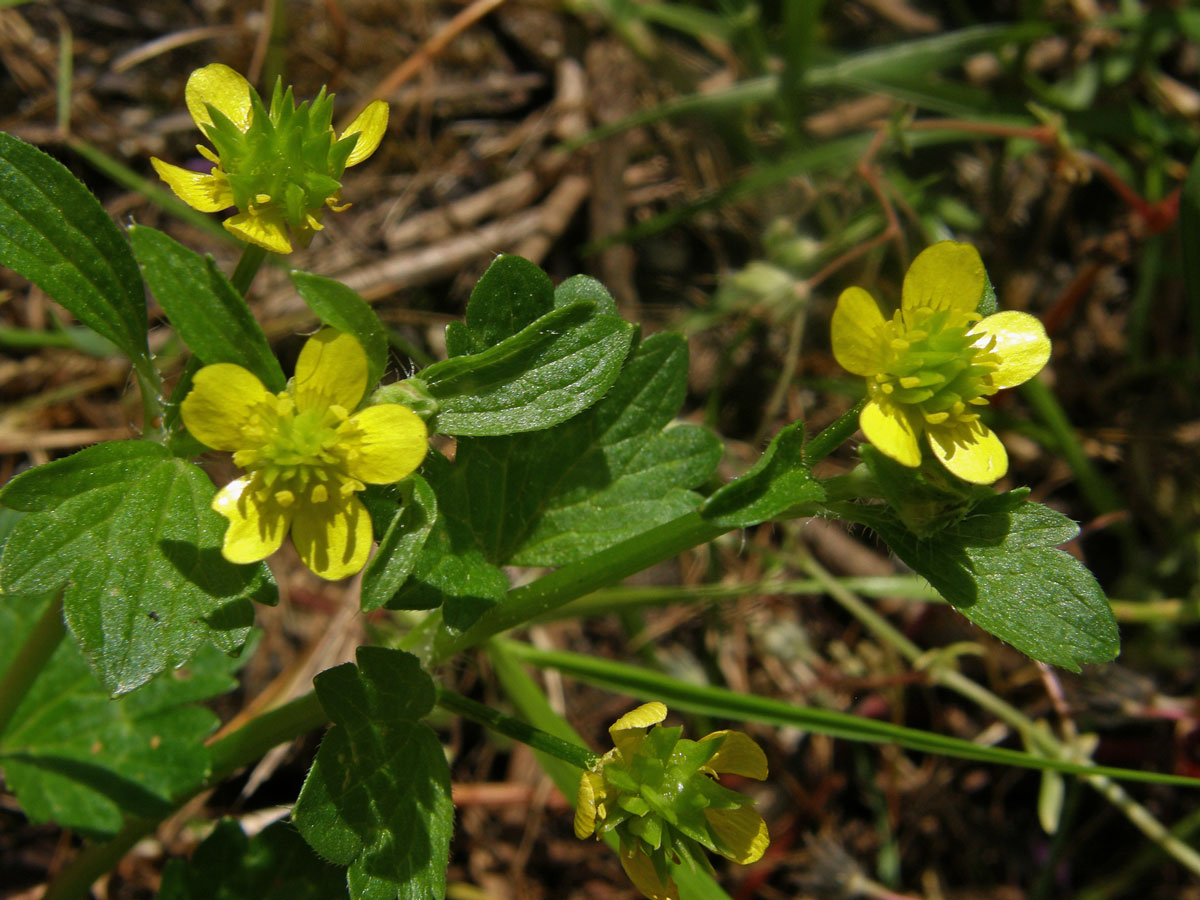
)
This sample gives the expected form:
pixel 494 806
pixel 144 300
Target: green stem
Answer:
pixel 230 753
pixel 150 387
pixel 834 435
pixel 40 644
pixel 1038 739
pixel 247 267
pixel 577 756
pixel 564 585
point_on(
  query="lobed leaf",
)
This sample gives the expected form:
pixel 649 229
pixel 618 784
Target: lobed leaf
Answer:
pixel 206 310
pixel 74 756
pixel 377 798
pixel 512 294
pixel 776 483
pixel 1000 567
pixel 128 531
pixel 55 233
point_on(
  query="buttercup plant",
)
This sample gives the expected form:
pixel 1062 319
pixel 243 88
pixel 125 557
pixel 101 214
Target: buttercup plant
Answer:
pixel 281 167
pixel 566 462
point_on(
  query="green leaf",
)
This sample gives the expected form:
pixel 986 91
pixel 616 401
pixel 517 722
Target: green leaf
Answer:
pixel 585 287
pixel 75 757
pixel 128 530
pixel 206 310
pixel 56 234
pixel 275 864
pixel 377 798
pixel 551 370
pixel 340 307
pixel 402 536
pixel 560 495
pixel 1000 567
pixel 451 570
pixel 779 481
pixel 512 294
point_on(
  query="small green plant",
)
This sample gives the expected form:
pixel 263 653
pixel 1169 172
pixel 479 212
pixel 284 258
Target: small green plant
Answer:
pixel 124 563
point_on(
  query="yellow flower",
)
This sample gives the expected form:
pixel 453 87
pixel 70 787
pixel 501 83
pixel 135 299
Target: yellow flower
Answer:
pixel 658 793
pixel 935 361
pixel 306 453
pixel 280 167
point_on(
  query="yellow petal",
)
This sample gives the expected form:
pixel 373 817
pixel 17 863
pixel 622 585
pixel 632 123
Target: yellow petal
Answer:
pixel 331 371
pixel 742 831
pixel 1022 346
pixel 628 730
pixel 224 408
pixel 891 430
pixel 739 755
pixel 256 529
pixel 980 461
pixel 333 538
pixel 266 228
pixel 369 125
pixel 387 442
pixel 855 334
pixel 948 275
pixel 640 869
pixel 223 88
pixel 207 193
pixel 585 804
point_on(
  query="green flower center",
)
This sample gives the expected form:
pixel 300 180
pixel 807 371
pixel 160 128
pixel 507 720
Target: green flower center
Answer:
pixel 287 159
pixel 935 367
pixel 300 454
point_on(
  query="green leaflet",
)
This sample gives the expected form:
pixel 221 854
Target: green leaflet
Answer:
pixel 74 756
pixel 776 483
pixel 206 310
pixel 1000 567
pixel 56 234
pixel 128 530
pixel 377 798
pixel 275 864
pixel 340 307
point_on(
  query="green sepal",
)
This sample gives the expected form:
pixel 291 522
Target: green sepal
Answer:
pixel 54 232
pixel 927 498
pixel 206 310
pixel 377 798
pixel 127 530
pixel 275 864
pixel 76 757
pixel 776 484
pixel 342 308
pixel 1000 567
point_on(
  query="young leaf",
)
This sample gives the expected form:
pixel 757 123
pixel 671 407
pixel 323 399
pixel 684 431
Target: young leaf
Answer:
pixel 207 311
pixel 377 798
pixel 556 496
pixel 275 864
pixel 548 372
pixel 402 535
pixel 1000 567
pixel 56 234
pixel 128 530
pixel 779 481
pixel 585 287
pixel 76 757
pixel 512 294
pixel 340 307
